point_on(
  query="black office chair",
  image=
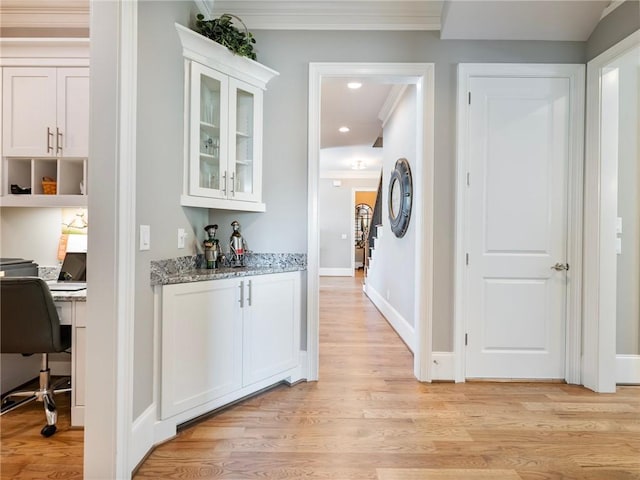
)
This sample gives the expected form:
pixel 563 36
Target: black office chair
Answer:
pixel 30 324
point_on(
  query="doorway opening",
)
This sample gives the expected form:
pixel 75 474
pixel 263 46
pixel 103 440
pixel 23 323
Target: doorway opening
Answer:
pixel 421 76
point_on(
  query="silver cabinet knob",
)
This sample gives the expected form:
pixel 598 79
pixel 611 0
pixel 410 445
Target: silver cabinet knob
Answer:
pixel 560 266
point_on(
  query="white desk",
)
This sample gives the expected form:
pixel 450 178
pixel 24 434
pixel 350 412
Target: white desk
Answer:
pixel 71 308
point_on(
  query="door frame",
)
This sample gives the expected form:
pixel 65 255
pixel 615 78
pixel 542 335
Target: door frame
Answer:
pixel 575 73
pixel 421 75
pixel 599 364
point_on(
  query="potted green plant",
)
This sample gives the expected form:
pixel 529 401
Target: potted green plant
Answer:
pixel 222 31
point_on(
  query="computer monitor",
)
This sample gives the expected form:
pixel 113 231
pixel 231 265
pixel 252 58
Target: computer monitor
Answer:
pixel 74 267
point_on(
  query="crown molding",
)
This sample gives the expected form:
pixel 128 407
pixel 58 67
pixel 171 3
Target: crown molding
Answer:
pixel 334 15
pixel 63 14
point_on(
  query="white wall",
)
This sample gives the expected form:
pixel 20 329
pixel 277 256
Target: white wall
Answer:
pixel 392 268
pixel 628 271
pixel 336 219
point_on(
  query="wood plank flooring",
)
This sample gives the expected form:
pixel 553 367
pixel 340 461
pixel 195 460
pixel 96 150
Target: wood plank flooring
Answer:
pixel 367 418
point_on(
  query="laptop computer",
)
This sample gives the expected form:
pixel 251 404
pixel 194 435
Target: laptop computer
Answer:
pixel 73 273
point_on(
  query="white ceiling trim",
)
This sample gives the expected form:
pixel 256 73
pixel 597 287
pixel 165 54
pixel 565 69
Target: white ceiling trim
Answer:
pixel 391 103
pixel 334 15
pixel 45 14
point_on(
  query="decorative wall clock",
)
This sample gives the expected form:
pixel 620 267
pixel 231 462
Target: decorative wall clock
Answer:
pixel 400 197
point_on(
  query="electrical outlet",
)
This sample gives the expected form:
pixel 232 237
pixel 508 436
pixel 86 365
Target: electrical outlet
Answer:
pixel 343 236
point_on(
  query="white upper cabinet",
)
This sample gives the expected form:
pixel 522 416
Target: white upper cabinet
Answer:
pixel 45 112
pixel 223 99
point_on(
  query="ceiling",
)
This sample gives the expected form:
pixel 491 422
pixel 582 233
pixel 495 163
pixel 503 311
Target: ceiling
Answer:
pixel 561 20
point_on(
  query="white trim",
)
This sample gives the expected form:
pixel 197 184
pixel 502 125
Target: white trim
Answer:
pixel 575 74
pixel 336 272
pixel 43 52
pixel 611 7
pixel 404 329
pixel 110 340
pixel 342 15
pixel 599 333
pixel 443 366
pixel 142 436
pixel 205 7
pixel 628 369
pixel 391 102
pixel 421 74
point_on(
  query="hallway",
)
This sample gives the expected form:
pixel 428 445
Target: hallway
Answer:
pixel 367 418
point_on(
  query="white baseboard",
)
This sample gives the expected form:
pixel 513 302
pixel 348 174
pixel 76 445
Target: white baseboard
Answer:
pixel 442 367
pixel 628 369
pixel 397 321
pixel 336 272
pixel 142 436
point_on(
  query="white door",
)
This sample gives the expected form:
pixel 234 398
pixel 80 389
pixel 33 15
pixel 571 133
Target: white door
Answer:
pixel 517 205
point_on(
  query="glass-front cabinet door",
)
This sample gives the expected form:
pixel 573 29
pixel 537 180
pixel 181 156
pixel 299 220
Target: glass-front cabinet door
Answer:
pixel 209 132
pixel 245 147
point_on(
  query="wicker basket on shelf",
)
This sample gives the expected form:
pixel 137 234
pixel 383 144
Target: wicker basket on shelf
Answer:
pixel 49 186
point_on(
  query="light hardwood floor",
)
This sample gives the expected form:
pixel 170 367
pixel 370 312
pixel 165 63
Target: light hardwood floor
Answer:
pixel 367 418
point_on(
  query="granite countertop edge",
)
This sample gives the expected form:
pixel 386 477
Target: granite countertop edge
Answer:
pixel 187 269
pixel 202 274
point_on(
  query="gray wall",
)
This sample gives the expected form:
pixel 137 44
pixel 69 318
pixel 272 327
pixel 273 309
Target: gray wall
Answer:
pixel 392 269
pixel 628 272
pixel 336 217
pixel 283 227
pixel 619 24
pixel 31 233
pixel 159 169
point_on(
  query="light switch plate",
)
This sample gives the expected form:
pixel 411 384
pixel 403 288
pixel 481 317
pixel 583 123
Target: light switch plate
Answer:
pixel 619 246
pixel 145 237
pixel 182 235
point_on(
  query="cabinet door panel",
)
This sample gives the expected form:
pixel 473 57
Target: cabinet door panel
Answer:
pixel 73 112
pixel 245 143
pixel 201 343
pixel 208 134
pixel 272 326
pixel 29 109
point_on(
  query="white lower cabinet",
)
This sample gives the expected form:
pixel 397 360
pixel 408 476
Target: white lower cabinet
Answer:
pixel 73 313
pixel 220 337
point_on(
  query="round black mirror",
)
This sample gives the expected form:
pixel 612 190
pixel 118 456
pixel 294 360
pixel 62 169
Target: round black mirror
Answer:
pixel 400 197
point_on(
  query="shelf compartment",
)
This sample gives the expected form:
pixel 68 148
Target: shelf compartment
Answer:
pixel 72 173
pixel 43 168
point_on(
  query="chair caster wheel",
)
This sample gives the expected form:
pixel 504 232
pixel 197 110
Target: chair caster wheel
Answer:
pixel 48 430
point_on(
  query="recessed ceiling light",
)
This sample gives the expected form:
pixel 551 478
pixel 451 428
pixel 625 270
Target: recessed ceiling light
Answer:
pixel 343 129
pixel 354 85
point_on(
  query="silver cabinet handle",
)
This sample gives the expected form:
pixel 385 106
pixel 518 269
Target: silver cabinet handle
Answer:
pixel 233 184
pixel 250 294
pixel 58 140
pixel 224 177
pixel 560 267
pixel 49 137
pixel 241 286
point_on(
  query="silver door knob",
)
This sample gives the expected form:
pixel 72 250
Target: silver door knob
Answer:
pixel 560 266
